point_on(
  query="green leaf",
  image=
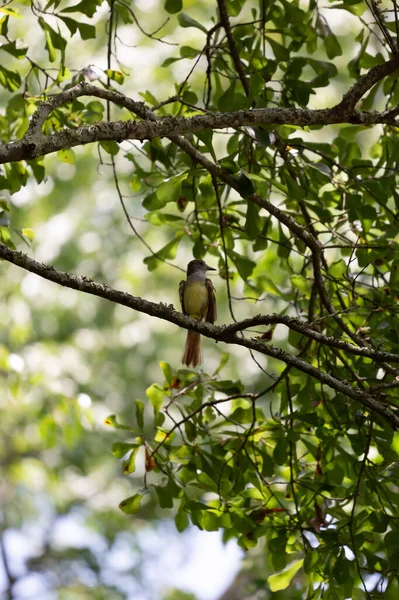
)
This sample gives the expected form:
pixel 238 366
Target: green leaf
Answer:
pixel 245 184
pixel 338 269
pixel 284 249
pixel 333 47
pixel 119 449
pixel 15 48
pixel 124 13
pixel 170 189
pixel 54 41
pixel 295 191
pixel 234 7
pixel 188 52
pixel 228 387
pixel 280 581
pixel 70 23
pixel 187 21
pixel 181 521
pixel 281 53
pixel 10 80
pixel 224 359
pixel 280 452
pixel 245 266
pixel 4 204
pixel 341 569
pixel 87 7
pixel 310 562
pixel 87 31
pixel 253 222
pixel 170 61
pixel 190 431
pixel 229 165
pixel 67 156
pixel 206 138
pixel 115 75
pixel 267 464
pixel 206 520
pixel 167 371
pixel 37 169
pixel 49 44
pixel 155 395
pixel 112 422
pixel 110 147
pixel 129 465
pixel 28 233
pixel 152 202
pixel 173 6
pixel 207 482
pixel 131 505
pixel 300 283
pixel 4 25
pixel 135 183
pixel 164 497
pixel 10 12
pixel 140 414
pixel 167 252
pixel 190 97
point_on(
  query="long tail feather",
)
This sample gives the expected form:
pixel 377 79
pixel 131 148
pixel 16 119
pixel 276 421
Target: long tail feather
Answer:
pixel 192 350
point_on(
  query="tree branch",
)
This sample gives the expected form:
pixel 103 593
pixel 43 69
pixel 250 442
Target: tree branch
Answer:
pixel 308 331
pixel 364 84
pixel 218 333
pixel 224 18
pixel 300 231
pixel 35 143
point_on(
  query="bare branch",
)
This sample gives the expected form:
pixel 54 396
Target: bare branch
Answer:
pixel 168 313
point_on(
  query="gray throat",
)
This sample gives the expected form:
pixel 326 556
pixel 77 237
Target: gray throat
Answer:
pixel 198 275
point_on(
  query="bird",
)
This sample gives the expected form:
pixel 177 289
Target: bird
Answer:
pixel 198 300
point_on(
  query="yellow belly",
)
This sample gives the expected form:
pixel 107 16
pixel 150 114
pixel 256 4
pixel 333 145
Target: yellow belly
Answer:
pixel 196 299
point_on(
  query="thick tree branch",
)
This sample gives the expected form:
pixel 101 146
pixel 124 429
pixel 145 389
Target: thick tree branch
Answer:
pixel 221 333
pixel 35 143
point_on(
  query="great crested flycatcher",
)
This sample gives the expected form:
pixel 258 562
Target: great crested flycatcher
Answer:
pixel 197 298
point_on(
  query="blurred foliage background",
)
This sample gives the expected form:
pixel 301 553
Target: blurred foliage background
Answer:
pixel 68 360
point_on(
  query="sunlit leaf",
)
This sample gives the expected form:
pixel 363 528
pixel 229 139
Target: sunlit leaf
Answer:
pixel 186 21
pixel 131 505
pixel 280 581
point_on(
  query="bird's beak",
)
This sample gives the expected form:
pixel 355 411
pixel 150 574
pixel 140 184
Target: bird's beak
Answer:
pixel 210 268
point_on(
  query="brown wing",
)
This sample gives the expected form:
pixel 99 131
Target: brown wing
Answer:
pixel 211 315
pixel 182 285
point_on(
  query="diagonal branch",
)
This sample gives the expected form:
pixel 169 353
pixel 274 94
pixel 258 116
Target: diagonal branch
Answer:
pixel 168 313
pixel 224 18
pixel 301 232
pixel 364 84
